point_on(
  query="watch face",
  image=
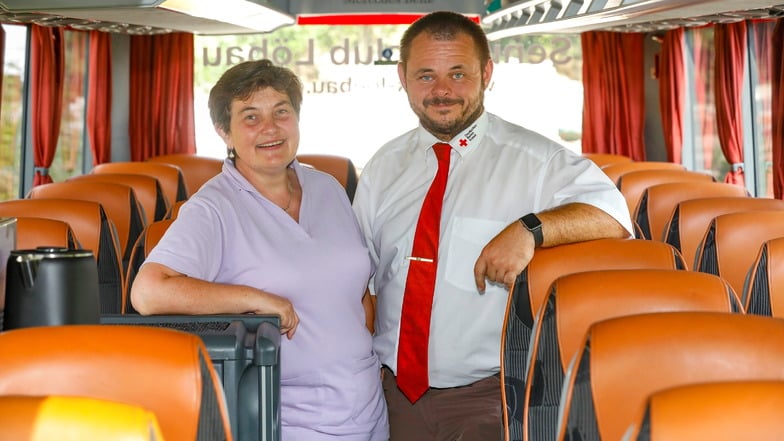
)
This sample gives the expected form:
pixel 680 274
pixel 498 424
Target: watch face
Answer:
pixel 531 221
pixel 534 225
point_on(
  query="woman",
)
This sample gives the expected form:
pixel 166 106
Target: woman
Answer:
pixel 268 236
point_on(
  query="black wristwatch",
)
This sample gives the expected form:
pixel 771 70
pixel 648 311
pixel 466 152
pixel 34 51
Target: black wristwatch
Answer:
pixel 534 225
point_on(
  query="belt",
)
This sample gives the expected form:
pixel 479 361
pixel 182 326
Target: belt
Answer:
pixel 388 371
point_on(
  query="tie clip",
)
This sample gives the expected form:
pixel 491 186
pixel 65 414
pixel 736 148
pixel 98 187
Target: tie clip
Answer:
pixel 420 259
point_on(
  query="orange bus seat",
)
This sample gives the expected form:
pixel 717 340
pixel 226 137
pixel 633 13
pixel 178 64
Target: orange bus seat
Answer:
pixel 623 360
pixel 733 241
pixel 658 202
pixel 532 285
pixel 578 300
pixel 141 249
pixel 196 170
pixel 338 166
pixel 147 189
pixel 633 184
pixel 690 219
pixel 175 210
pixel 118 200
pixel 35 232
pixel 94 231
pixel 165 371
pixel 716 411
pixel 764 290
pixel 170 176
pixel 615 171
pixel 604 159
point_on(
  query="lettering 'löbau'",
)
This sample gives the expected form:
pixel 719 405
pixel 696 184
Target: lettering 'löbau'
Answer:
pixel 357 53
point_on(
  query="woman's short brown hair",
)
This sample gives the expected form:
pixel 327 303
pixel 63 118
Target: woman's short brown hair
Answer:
pixel 242 80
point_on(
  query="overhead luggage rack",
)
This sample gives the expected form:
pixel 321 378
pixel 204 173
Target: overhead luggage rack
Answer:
pixel 575 16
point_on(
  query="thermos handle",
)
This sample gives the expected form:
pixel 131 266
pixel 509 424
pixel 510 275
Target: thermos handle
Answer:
pixel 26 265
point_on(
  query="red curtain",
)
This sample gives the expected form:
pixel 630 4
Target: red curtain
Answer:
pixel 613 94
pixel 161 113
pixel 99 97
pixel 777 108
pixel 47 70
pixel 671 93
pixel 593 90
pixel 730 40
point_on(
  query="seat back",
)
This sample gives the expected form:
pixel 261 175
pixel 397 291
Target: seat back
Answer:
pixel 633 184
pixel 170 176
pixel 733 241
pixel 245 351
pixel 576 301
pixel 764 291
pixel 690 219
pixel 718 411
pixel 147 189
pixel 144 244
pixel 118 200
pixel 338 166
pixel 605 159
pixel 34 232
pixel 94 231
pixel 658 202
pixel 623 360
pixel 70 418
pixel 165 371
pixel 531 288
pixel 615 171
pixel 175 210
pixel 196 170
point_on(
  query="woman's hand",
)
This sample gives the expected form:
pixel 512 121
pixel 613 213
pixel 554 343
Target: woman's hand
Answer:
pixel 275 304
pixel 158 289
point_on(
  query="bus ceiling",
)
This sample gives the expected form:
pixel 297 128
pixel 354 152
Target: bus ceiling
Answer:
pixel 210 17
pixel 501 18
pixel 575 16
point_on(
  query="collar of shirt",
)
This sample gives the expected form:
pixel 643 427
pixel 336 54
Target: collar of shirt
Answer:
pixel 242 183
pixel 465 142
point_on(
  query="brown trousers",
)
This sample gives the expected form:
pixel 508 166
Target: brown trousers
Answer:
pixel 467 413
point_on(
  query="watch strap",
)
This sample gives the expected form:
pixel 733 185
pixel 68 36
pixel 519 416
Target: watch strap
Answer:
pixel 532 223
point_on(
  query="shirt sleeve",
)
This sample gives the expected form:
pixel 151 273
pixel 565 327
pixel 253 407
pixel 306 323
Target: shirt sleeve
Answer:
pixel 570 178
pixel 193 243
pixel 364 212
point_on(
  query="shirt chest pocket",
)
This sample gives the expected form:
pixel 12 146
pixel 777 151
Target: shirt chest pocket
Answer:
pixel 467 238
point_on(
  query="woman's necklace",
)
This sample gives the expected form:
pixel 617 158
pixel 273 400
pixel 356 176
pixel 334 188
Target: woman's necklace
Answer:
pixel 291 196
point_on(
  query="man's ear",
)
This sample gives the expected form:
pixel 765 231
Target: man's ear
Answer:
pixel 487 72
pixel 401 73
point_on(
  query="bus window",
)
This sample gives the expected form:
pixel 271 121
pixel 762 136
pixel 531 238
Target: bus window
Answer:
pixel 11 127
pixel 706 149
pixel 353 102
pixel 352 99
pixel 70 145
pixel 760 52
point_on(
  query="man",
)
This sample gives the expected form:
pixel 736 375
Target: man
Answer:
pixel 508 191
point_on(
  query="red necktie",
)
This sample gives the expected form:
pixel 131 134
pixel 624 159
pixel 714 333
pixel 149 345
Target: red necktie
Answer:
pixel 412 371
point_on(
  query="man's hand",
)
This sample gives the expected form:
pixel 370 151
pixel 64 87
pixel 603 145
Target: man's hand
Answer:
pixel 505 256
pixel 510 251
